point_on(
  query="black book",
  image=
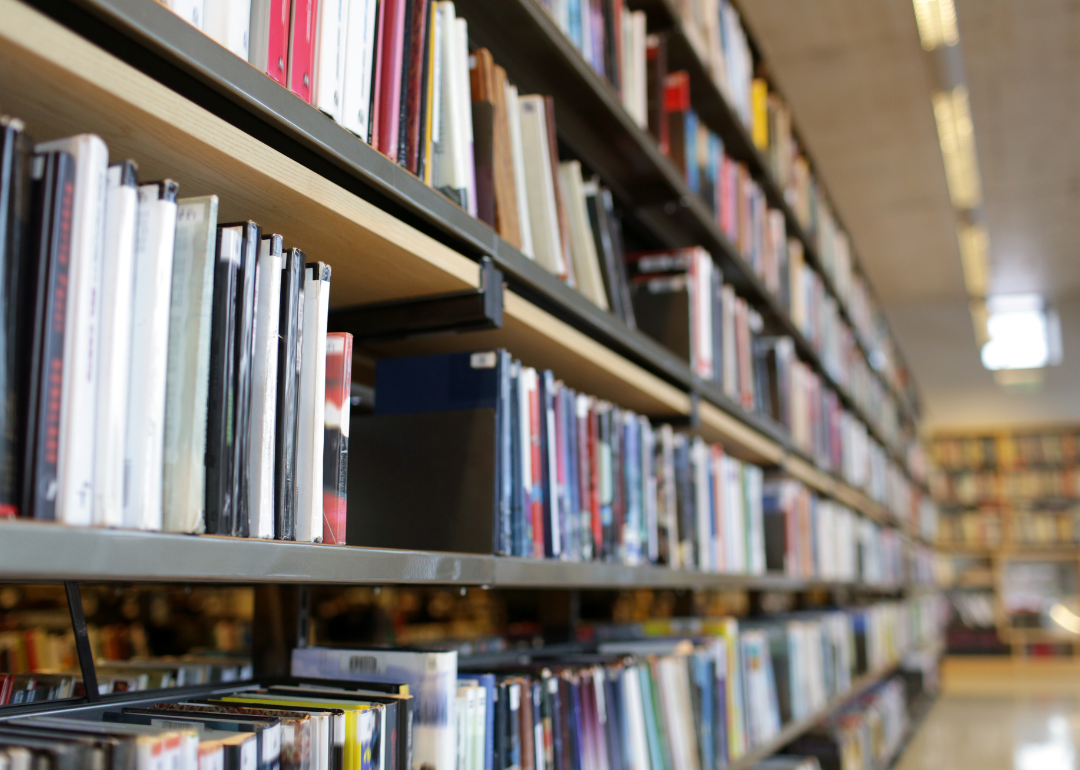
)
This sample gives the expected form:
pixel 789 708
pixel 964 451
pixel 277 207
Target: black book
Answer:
pixel 50 245
pixel 289 359
pixel 552 538
pixel 617 244
pixel 684 481
pixel 618 484
pixel 220 425
pixel 422 160
pixel 16 306
pixel 402 158
pixel 606 250
pixel 251 237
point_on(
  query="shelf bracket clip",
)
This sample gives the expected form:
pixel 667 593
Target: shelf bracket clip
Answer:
pixel 479 309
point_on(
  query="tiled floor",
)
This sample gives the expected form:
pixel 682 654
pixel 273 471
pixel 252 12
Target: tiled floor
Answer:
pixel 1001 715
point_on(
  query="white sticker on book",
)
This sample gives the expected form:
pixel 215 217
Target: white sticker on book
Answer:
pixel 486 360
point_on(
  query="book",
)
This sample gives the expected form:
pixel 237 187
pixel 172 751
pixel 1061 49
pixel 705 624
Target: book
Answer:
pixel 52 210
pixel 244 299
pixel 268 38
pixel 262 437
pixel 330 43
pixel 290 360
pixel 517 160
pixel 303 32
pixel 359 63
pixel 228 22
pixel 582 243
pixel 453 162
pixel 75 483
pixel 117 309
pixel 540 186
pixel 144 444
pixel 391 59
pixel 187 386
pixel 18 301
pixel 336 442
pixel 191 11
pixel 312 404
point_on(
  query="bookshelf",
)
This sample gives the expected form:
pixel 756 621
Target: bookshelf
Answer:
pixel 158 90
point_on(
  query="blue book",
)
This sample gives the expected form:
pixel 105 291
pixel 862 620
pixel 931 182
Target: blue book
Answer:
pixel 439 383
pixel 692 171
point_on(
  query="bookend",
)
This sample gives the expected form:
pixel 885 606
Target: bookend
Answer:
pixel 477 309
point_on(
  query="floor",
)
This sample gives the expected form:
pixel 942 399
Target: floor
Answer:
pixel 1001 715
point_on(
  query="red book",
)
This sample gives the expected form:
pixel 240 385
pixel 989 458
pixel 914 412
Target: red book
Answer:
pixel 537 498
pixel 302 48
pixel 391 47
pixel 594 480
pixel 677 92
pixel 7 682
pixel 376 77
pixel 336 441
pixel 269 38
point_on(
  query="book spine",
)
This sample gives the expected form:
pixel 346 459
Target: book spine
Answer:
pixel 191 311
pixel 54 204
pixel 302 48
pixel 336 441
pixel 290 355
pixel 17 305
pixel 330 57
pixel 245 299
pixel 264 376
pixel 390 76
pixel 312 404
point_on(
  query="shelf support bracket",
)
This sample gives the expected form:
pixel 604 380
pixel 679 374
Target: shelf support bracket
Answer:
pixel 477 309
pixel 82 641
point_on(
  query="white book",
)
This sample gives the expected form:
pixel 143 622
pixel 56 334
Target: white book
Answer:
pixel 358 67
pixel 228 22
pixel 733 516
pixel 191 11
pixel 513 114
pixel 461 62
pixel 78 399
pixel 648 483
pixel 729 373
pixel 590 281
pixel 755 484
pixel 144 447
pixel 635 716
pixel 190 317
pixel 264 382
pixel 451 151
pixel 117 287
pixel 312 430
pixel 639 72
pixel 333 20
pixel 543 215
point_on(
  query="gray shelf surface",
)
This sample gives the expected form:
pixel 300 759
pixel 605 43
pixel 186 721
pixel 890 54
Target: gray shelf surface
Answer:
pixel 47 552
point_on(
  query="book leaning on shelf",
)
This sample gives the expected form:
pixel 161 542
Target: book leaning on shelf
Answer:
pixel 192 397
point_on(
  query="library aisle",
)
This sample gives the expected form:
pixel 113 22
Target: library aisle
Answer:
pixel 1001 715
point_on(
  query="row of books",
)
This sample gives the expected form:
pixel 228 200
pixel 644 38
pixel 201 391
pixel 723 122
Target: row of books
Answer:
pixel 162 370
pixel 400 75
pixel 984 528
pixel 1006 451
pixel 974 529
pixel 716 33
pixel 693 700
pixel 974 487
pixel 867 733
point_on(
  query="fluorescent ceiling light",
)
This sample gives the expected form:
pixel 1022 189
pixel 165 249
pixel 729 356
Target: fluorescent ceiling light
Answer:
pixel 957 139
pixel 974 244
pixel 1022 335
pixel 937 23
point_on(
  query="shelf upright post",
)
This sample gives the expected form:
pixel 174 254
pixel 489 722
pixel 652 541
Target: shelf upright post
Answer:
pixel 82 641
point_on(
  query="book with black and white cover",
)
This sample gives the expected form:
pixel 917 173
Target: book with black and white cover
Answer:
pixel 264 379
pixel 220 422
pixel 155 239
pixel 74 503
pixel 53 181
pixel 117 306
pixel 228 22
pixel 250 238
pixel 17 305
pixel 312 404
pixel 190 318
pixel 540 186
pixel 333 21
pixel 359 65
pixel 290 359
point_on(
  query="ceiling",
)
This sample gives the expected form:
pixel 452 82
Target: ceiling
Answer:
pixel 859 85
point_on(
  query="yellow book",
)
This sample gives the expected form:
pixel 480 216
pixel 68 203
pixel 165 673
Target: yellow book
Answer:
pixel 759 111
pixel 429 103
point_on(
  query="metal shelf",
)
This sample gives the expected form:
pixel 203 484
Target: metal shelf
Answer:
pixel 47 552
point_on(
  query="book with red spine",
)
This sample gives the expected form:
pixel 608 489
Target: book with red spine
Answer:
pixel 536 499
pixel 391 51
pixel 302 48
pixel 336 442
pixel 374 128
pixel 268 47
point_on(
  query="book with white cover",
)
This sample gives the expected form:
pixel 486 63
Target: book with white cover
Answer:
pixel 228 22
pixel 582 243
pixel 699 459
pixel 359 63
pixel 330 56
pixel 117 286
pixel 190 306
pixel 75 470
pixel 451 151
pixel 145 443
pixel 543 216
pixel 264 381
pixel 191 11
pixel 461 62
pixel 309 454
pixel 513 114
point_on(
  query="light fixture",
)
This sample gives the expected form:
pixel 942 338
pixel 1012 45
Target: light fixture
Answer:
pixel 1065 618
pixel 937 23
pixel 1021 333
pixel 974 245
pixel 957 139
